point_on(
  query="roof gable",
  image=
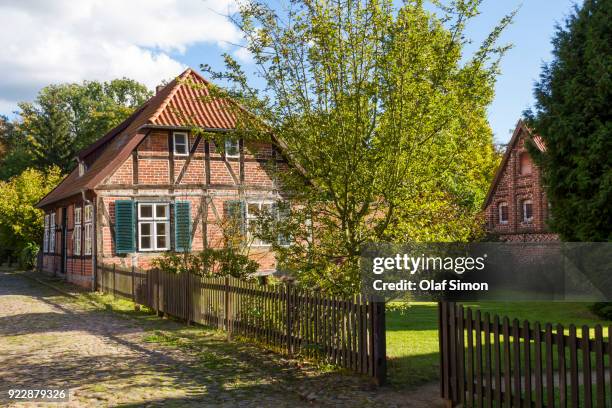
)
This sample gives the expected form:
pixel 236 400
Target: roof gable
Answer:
pixel 184 103
pixel 520 130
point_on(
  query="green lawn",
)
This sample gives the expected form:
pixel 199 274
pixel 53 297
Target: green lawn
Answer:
pixel 412 335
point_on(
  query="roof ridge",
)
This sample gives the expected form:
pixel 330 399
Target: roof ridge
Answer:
pixel 171 94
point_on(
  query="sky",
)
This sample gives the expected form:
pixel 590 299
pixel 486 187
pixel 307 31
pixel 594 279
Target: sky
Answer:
pixel 150 41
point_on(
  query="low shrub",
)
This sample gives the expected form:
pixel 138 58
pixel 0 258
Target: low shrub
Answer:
pixel 209 262
pixel 602 309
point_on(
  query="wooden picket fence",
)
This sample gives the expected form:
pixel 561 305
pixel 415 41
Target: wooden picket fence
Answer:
pixel 491 362
pixel 349 333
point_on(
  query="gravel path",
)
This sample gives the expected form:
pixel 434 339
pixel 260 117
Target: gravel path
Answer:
pixel 49 340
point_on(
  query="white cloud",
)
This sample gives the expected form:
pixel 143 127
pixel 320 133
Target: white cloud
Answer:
pixel 65 41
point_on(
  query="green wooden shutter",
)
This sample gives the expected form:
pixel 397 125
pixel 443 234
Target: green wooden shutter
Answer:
pixel 124 226
pixel 182 226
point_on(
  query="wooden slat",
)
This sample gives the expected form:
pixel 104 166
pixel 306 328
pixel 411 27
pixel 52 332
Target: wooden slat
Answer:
pixel 562 370
pixel 497 361
pixel 479 376
pixel 527 363
pixel 516 366
pixel 586 367
pixel 507 370
pixel 461 354
pixel 488 374
pixel 537 344
pixel 599 368
pixel 550 381
pixel 470 360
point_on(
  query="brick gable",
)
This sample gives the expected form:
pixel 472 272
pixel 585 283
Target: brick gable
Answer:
pixel 518 187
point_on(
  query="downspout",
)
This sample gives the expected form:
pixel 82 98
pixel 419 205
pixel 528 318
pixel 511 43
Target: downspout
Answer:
pixel 94 249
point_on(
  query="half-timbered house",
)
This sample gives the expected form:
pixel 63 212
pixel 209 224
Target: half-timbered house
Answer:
pixel 152 185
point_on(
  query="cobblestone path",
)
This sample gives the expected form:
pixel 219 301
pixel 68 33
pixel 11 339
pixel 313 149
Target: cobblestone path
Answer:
pixel 49 340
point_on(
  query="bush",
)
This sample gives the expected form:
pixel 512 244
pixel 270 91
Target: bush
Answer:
pixel 602 309
pixel 28 255
pixel 209 262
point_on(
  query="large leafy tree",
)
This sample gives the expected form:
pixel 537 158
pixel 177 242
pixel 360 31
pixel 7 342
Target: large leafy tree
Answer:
pixel 66 118
pixel 572 115
pixel 383 112
pixel 20 222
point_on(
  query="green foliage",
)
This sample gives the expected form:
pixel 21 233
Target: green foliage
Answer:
pixel 27 257
pixel 21 224
pixel 384 114
pixel 602 309
pixel 66 118
pixel 572 115
pixel 209 262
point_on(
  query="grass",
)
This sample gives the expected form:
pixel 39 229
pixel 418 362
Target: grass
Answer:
pixel 412 333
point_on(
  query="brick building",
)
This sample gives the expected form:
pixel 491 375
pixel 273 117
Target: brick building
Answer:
pixel 152 185
pixel 516 206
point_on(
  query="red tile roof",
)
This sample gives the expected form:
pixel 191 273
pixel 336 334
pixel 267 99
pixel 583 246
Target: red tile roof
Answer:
pixel 184 102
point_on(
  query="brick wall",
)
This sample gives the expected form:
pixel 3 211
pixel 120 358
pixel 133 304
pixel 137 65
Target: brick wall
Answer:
pixel 513 188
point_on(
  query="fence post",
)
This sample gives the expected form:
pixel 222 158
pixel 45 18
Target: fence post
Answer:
pixel 133 284
pixel 288 317
pixel 380 343
pixel 114 278
pixel 226 308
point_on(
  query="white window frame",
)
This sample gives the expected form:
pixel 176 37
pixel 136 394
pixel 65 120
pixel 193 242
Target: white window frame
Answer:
pixel 527 220
pixel 255 242
pixel 186 135
pixel 76 232
pixel 500 207
pixel 46 234
pixel 52 233
pixel 229 146
pixel 154 220
pixel 88 226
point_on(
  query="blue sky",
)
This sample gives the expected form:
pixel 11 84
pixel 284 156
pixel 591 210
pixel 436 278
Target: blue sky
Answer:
pixel 101 40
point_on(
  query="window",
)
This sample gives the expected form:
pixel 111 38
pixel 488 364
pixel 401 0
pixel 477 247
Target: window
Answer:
pixel 181 144
pixel 527 211
pixel 253 211
pixel 88 220
pixel 82 168
pixel 46 235
pixel 503 213
pixel 153 226
pixel 279 212
pixel 524 164
pixel 232 148
pixel 52 233
pixel 76 233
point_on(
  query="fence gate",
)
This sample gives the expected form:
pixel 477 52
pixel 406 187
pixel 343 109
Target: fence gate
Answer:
pixel 488 361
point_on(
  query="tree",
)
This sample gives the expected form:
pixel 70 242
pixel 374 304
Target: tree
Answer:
pixel 20 222
pixel 382 112
pixel 66 118
pixel 47 129
pixel 572 115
